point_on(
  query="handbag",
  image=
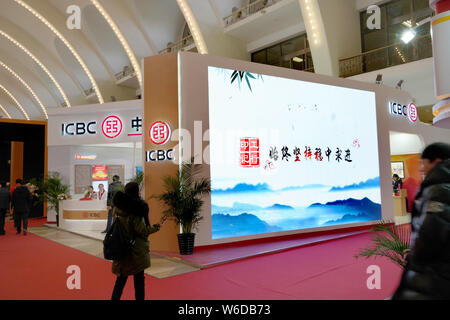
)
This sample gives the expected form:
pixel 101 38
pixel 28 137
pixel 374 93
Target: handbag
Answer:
pixel 117 244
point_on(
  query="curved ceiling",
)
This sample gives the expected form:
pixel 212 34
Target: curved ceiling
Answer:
pixel 45 65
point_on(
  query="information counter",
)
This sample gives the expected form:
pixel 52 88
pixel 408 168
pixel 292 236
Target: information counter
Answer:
pixel 400 203
pixel 87 215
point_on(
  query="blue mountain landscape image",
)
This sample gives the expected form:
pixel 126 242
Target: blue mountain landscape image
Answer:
pixel 247 217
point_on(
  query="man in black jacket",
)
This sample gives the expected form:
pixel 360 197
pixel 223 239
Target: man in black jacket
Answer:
pixel 5 199
pixel 115 186
pixel 21 203
pixel 427 273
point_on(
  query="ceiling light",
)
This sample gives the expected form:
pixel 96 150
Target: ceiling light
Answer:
pixel 122 40
pixel 40 64
pixel 408 35
pixel 16 102
pixel 26 86
pixel 297 59
pixel 68 45
pixel 4 111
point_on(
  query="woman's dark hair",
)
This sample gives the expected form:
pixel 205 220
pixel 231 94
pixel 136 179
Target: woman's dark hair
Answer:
pixel 395 176
pixel 132 189
pixel 437 150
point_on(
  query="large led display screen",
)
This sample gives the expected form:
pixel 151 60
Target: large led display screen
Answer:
pixel 288 154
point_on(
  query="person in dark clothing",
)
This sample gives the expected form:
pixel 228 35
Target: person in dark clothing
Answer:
pixel 21 203
pixel 113 188
pixel 18 182
pixel 397 183
pixel 427 272
pixel 132 213
pixel 5 199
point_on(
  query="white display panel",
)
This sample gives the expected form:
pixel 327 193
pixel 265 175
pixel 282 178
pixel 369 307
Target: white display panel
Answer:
pixel 281 186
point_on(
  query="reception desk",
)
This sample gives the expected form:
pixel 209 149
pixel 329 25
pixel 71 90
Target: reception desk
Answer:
pixel 400 203
pixel 81 215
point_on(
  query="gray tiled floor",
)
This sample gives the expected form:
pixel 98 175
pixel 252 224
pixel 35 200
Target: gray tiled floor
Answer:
pixel 161 267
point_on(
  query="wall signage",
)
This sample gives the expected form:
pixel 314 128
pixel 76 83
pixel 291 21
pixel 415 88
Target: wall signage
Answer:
pixel 112 127
pixel 409 111
pixel 78 128
pixel 159 155
pixel 85 157
pixel 160 132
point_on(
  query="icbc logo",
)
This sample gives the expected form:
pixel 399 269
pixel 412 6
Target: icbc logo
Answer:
pixel 412 112
pixel 249 152
pixel 160 133
pixel 112 127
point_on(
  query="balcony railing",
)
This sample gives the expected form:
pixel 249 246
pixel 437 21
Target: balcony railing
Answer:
pixel 179 45
pixel 127 71
pixel 248 10
pixel 388 56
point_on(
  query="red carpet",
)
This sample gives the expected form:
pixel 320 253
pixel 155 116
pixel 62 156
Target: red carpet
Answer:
pixel 35 268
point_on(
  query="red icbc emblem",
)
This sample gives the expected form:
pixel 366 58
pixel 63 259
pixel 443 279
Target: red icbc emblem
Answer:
pixel 112 127
pixel 160 133
pixel 249 152
pixel 412 112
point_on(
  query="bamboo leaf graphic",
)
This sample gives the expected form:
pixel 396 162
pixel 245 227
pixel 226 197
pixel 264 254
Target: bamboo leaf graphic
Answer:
pixel 248 83
pixel 234 77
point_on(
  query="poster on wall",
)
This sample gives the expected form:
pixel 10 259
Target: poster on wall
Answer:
pixel 288 154
pixel 99 173
pixel 398 168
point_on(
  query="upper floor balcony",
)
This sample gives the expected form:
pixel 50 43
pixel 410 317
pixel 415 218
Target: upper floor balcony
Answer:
pixel 387 56
pixel 248 10
pixel 185 44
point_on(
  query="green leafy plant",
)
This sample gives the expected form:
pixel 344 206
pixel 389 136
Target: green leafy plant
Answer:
pixel 183 196
pixel 388 241
pixel 240 76
pixel 53 190
pixel 139 179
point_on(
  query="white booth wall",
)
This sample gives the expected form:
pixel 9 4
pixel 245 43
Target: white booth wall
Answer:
pixel 125 149
pixel 195 105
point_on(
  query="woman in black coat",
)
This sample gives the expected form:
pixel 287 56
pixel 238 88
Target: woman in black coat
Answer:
pixel 132 213
pixel 427 272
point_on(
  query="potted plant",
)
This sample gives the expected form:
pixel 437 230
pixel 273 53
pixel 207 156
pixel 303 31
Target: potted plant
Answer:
pixel 389 241
pixel 183 197
pixel 54 191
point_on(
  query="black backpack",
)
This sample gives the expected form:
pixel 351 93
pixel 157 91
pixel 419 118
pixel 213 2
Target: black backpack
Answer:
pixel 117 244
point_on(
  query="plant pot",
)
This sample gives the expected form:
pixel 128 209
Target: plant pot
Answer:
pixel 186 243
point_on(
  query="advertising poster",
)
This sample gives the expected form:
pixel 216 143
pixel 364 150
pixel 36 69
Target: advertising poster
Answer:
pixel 99 173
pixel 288 155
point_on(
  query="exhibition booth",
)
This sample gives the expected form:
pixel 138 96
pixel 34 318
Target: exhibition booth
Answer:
pixel 87 146
pixel 287 152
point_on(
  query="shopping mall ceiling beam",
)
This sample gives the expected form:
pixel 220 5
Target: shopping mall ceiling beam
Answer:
pixel 15 101
pixel 68 45
pixel 27 86
pixel 40 64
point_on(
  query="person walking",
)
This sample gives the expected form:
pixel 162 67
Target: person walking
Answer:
pixel 427 272
pixel 21 203
pixel 113 188
pixel 132 213
pixel 5 199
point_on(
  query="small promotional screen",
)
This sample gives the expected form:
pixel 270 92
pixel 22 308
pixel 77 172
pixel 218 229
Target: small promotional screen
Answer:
pixel 288 154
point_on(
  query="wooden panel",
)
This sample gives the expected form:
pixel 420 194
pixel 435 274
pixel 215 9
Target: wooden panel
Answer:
pixel 160 104
pixel 85 215
pixel 116 170
pixel 16 161
pixel 83 178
